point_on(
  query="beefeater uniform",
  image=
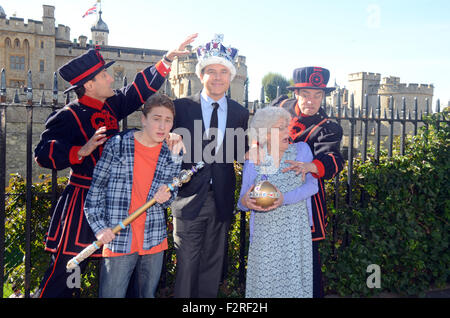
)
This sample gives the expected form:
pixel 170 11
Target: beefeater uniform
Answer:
pixel 66 131
pixel 323 135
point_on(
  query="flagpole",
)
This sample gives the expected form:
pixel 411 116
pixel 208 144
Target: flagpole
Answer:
pixel 100 9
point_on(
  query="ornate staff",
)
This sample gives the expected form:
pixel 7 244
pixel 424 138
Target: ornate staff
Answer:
pixel 183 177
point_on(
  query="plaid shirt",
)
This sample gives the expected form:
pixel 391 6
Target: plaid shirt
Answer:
pixel 109 197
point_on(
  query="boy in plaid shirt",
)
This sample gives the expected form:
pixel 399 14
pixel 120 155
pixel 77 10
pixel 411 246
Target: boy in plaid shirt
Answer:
pixel 135 166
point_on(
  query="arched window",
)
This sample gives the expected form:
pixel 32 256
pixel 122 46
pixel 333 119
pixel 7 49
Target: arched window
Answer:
pixel 16 44
pixel 7 42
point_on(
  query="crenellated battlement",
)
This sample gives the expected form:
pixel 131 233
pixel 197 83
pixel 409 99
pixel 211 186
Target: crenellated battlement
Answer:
pixel 364 76
pixel 18 25
pixel 403 88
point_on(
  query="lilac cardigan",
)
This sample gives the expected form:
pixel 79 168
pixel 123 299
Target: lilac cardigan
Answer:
pixel 304 192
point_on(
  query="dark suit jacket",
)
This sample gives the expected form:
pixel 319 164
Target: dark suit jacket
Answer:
pixel 192 195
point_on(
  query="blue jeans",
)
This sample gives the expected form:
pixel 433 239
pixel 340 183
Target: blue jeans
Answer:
pixel 116 272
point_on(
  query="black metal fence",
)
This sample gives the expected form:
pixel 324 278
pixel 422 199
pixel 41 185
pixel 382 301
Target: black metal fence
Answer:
pixel 349 117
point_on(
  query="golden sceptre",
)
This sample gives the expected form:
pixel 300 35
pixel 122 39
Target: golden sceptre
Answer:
pixel 183 177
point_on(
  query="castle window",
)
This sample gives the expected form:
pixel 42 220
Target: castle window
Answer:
pixel 16 43
pixel 8 42
pixel 17 62
pixel 41 66
pixel 16 84
pixel 42 44
pixel 118 76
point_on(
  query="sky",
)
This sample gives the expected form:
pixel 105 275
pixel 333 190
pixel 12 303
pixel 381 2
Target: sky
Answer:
pixel 407 39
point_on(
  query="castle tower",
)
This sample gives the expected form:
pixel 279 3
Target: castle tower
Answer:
pixel 48 19
pixel 2 13
pixel 363 83
pixel 100 31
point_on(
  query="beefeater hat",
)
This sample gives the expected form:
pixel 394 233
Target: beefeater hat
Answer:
pixel 311 77
pixel 83 68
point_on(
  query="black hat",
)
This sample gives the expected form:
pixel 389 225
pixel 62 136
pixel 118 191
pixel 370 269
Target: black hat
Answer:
pixel 83 68
pixel 311 77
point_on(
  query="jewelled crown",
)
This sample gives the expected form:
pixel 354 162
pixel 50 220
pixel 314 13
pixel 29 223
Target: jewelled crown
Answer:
pixel 216 48
pixel 215 52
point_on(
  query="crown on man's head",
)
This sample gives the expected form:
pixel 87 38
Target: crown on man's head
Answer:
pixel 216 48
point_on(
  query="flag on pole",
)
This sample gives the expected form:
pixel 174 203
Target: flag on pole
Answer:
pixel 91 10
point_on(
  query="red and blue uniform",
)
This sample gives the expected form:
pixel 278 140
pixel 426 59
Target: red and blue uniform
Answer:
pixel 66 131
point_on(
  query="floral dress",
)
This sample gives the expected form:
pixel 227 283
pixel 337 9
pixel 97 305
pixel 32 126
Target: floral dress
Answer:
pixel 280 252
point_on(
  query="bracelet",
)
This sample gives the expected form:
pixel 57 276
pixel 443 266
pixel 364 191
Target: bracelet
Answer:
pixel 167 59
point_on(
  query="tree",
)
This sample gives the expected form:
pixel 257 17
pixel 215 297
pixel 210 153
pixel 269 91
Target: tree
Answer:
pixel 270 83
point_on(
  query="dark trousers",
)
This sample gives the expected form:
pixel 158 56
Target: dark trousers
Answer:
pixel 317 272
pixel 200 249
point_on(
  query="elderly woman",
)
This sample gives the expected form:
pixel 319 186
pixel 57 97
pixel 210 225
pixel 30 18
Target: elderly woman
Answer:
pixel 280 253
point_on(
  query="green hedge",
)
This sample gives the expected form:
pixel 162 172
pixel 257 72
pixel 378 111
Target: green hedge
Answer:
pixel 398 220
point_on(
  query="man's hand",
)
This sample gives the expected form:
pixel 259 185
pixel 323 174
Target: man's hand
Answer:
pixel 301 167
pixel 162 195
pixel 96 140
pixel 175 143
pixel 105 236
pixel 181 50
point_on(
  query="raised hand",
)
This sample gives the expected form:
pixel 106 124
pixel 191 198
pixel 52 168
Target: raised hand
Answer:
pixel 181 50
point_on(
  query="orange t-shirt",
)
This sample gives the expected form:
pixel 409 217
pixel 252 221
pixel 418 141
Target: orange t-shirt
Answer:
pixel 145 160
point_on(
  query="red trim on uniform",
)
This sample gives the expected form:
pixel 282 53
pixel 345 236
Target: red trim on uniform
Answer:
pixel 315 127
pixel 320 169
pixel 111 110
pixel 87 73
pixel 309 85
pixel 91 102
pixel 50 276
pixel 79 124
pixel 82 131
pixel 139 93
pixel 80 222
pixel 50 154
pixel 162 69
pixel 78 185
pixel 321 188
pixel 80 176
pixel 59 248
pixel 321 212
pixel 69 218
pixel 335 163
pixel 73 155
pixel 146 82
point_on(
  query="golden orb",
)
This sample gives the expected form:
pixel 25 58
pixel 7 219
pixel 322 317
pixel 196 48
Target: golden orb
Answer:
pixel 265 194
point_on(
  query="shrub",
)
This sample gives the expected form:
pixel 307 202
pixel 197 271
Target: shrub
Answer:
pixel 15 207
pixel 398 220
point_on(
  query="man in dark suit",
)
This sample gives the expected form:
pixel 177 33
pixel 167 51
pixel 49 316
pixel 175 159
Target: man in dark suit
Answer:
pixel 213 127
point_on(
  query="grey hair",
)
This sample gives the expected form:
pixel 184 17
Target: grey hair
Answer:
pixel 264 119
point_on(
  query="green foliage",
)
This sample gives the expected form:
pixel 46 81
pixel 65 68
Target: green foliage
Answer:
pixel 270 82
pixel 15 206
pixel 398 219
